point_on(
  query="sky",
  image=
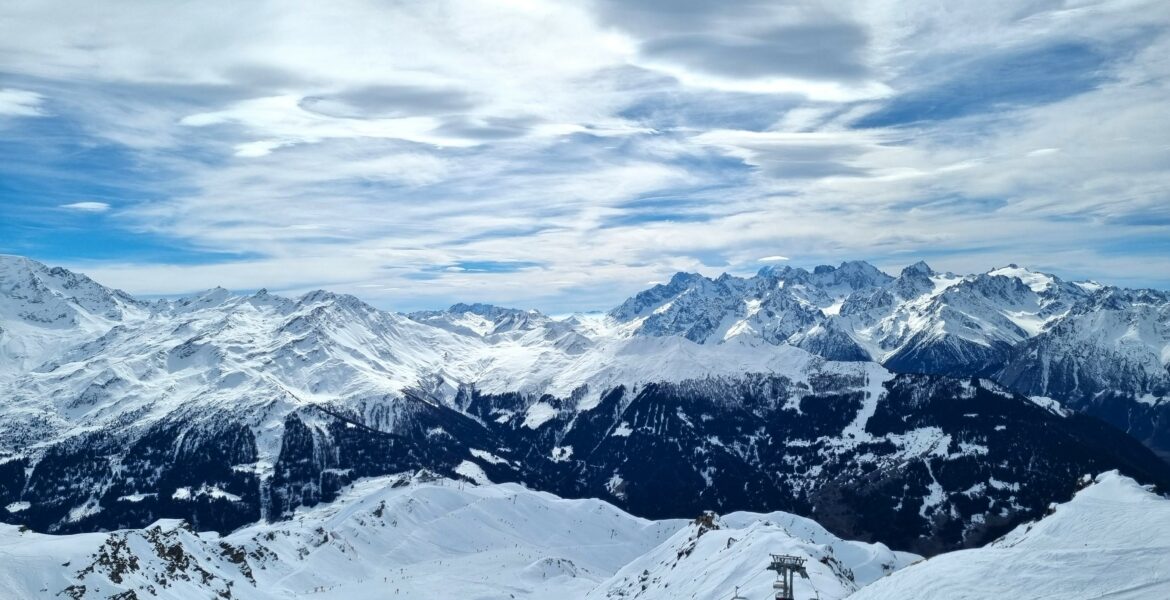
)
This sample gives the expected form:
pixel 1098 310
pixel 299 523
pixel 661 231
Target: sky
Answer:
pixel 564 155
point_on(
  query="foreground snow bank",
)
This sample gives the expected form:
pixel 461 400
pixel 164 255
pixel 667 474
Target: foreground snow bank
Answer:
pixel 712 559
pixel 418 536
pixel 412 536
pixel 1110 541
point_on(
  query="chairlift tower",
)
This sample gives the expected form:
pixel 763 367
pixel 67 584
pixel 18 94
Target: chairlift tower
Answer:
pixel 786 567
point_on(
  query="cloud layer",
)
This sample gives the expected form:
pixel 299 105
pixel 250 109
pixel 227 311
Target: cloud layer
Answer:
pixel 561 154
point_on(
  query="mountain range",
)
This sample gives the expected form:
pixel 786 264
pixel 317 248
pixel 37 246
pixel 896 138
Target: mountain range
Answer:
pixel 929 411
pixel 1099 349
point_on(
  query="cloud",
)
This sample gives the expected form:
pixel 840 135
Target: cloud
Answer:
pixel 383 101
pixel 488 128
pixel 809 48
pixel 20 103
pixel 87 207
pixel 561 154
pixel 260 148
pixel 817 51
pixel 284 121
pixel 799 155
pixel 776 258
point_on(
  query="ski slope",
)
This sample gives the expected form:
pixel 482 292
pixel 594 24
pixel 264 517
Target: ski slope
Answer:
pixel 1110 541
pixel 419 536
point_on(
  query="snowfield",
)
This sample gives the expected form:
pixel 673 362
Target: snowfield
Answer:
pixel 1111 541
pixel 713 560
pixel 419 536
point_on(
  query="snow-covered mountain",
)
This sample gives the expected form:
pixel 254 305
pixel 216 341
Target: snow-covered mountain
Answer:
pixel 1108 542
pixel 223 409
pixel 420 536
pixel 778 306
pixel 1101 349
pixel 46 310
pixel 717 557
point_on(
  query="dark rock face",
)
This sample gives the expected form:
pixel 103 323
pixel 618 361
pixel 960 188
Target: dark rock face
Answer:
pixel 831 342
pixel 931 464
pixel 97 483
pixel 1074 363
pixel 934 464
pixel 949 356
pixel 941 464
pixel 316 462
pixel 209 475
pixel 1148 423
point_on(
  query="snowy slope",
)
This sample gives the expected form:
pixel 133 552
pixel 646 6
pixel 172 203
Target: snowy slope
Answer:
pixel 45 310
pixel 256 358
pixel 1116 340
pixel 416 536
pixel 1110 541
pixel 713 558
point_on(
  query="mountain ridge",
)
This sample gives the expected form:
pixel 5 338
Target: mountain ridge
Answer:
pixel 227 409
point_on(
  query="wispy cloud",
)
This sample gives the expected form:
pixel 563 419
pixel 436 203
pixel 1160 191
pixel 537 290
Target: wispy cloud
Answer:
pixel 88 206
pixel 20 103
pixel 562 154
